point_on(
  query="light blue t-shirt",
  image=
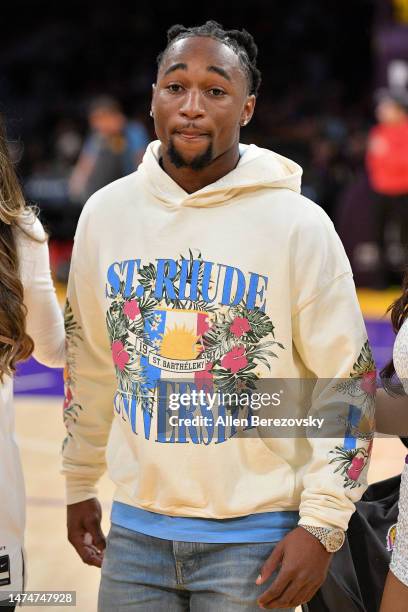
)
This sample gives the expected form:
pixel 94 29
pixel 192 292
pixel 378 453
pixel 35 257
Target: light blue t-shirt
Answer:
pixel 261 527
pixel 136 139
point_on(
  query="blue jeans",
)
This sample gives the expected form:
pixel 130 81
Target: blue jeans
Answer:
pixel 147 574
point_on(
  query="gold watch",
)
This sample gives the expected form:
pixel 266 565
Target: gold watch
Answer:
pixel 332 539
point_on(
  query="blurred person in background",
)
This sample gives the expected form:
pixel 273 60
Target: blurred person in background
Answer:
pixel 30 321
pixel 387 167
pixel 67 143
pixel 114 148
pixel 48 187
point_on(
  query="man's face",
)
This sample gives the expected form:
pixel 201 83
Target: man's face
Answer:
pixel 389 112
pixel 199 101
pixel 107 122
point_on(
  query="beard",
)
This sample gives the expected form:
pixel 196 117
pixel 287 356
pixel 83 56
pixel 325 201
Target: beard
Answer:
pixel 199 162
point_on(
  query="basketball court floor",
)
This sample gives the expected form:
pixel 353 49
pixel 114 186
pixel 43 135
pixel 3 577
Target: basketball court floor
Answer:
pixel 52 562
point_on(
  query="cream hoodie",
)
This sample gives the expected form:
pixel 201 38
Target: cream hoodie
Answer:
pixel 242 281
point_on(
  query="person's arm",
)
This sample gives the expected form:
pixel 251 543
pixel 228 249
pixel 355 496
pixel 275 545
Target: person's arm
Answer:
pixel 330 338
pixel 391 414
pixel 137 139
pixel 89 389
pixel 83 168
pixel 138 157
pixel 44 321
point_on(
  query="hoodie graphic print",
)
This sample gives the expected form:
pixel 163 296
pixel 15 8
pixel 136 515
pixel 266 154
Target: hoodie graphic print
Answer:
pixel 186 325
pixel 218 291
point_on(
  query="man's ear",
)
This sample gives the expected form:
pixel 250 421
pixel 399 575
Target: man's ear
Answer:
pixel 152 100
pixel 248 110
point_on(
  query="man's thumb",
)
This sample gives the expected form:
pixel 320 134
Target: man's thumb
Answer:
pixel 94 536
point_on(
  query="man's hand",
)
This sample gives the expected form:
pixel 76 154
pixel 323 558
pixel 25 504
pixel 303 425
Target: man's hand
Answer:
pixel 304 563
pixel 84 531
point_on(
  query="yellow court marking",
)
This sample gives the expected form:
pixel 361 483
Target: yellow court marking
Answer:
pixel 61 290
pixel 374 304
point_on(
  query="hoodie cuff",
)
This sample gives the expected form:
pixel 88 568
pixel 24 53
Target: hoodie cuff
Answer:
pixel 78 490
pixel 317 522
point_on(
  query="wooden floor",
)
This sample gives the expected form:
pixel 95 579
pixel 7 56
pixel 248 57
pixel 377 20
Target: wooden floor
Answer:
pixel 52 562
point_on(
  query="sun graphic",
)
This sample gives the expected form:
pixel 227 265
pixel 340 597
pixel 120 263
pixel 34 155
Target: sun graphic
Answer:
pixel 179 343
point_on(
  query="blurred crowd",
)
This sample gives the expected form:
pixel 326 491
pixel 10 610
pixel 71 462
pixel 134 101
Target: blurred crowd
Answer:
pixel 79 114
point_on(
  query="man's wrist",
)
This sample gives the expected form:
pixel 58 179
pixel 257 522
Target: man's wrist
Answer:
pixel 76 493
pixel 331 538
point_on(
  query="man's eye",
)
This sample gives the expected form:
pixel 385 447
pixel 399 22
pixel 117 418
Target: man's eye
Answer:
pixel 217 92
pixel 174 88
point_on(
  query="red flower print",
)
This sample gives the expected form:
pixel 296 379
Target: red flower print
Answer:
pixel 67 399
pixel 240 326
pixel 131 309
pixel 368 384
pixel 204 325
pixel 120 356
pixel 203 378
pixel 235 359
pixel 206 372
pixel 356 467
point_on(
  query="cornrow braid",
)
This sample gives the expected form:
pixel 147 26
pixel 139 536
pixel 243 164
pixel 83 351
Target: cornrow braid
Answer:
pixel 240 41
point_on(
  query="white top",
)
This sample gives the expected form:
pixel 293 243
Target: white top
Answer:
pixel 400 355
pixel 46 327
pixel 399 561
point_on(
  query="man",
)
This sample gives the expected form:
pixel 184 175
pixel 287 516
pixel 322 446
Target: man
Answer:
pixel 207 270
pixel 114 148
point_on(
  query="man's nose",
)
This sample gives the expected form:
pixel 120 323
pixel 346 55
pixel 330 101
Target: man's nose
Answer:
pixel 192 106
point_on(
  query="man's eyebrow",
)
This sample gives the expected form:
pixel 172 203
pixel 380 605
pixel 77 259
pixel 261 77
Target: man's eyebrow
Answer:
pixel 183 66
pixel 179 66
pixel 219 71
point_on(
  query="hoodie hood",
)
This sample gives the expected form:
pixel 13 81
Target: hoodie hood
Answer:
pixel 257 168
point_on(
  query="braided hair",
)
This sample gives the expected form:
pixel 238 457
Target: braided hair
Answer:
pixel 240 41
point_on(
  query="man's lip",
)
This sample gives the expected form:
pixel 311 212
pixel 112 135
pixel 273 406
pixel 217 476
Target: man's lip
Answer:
pixel 191 133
